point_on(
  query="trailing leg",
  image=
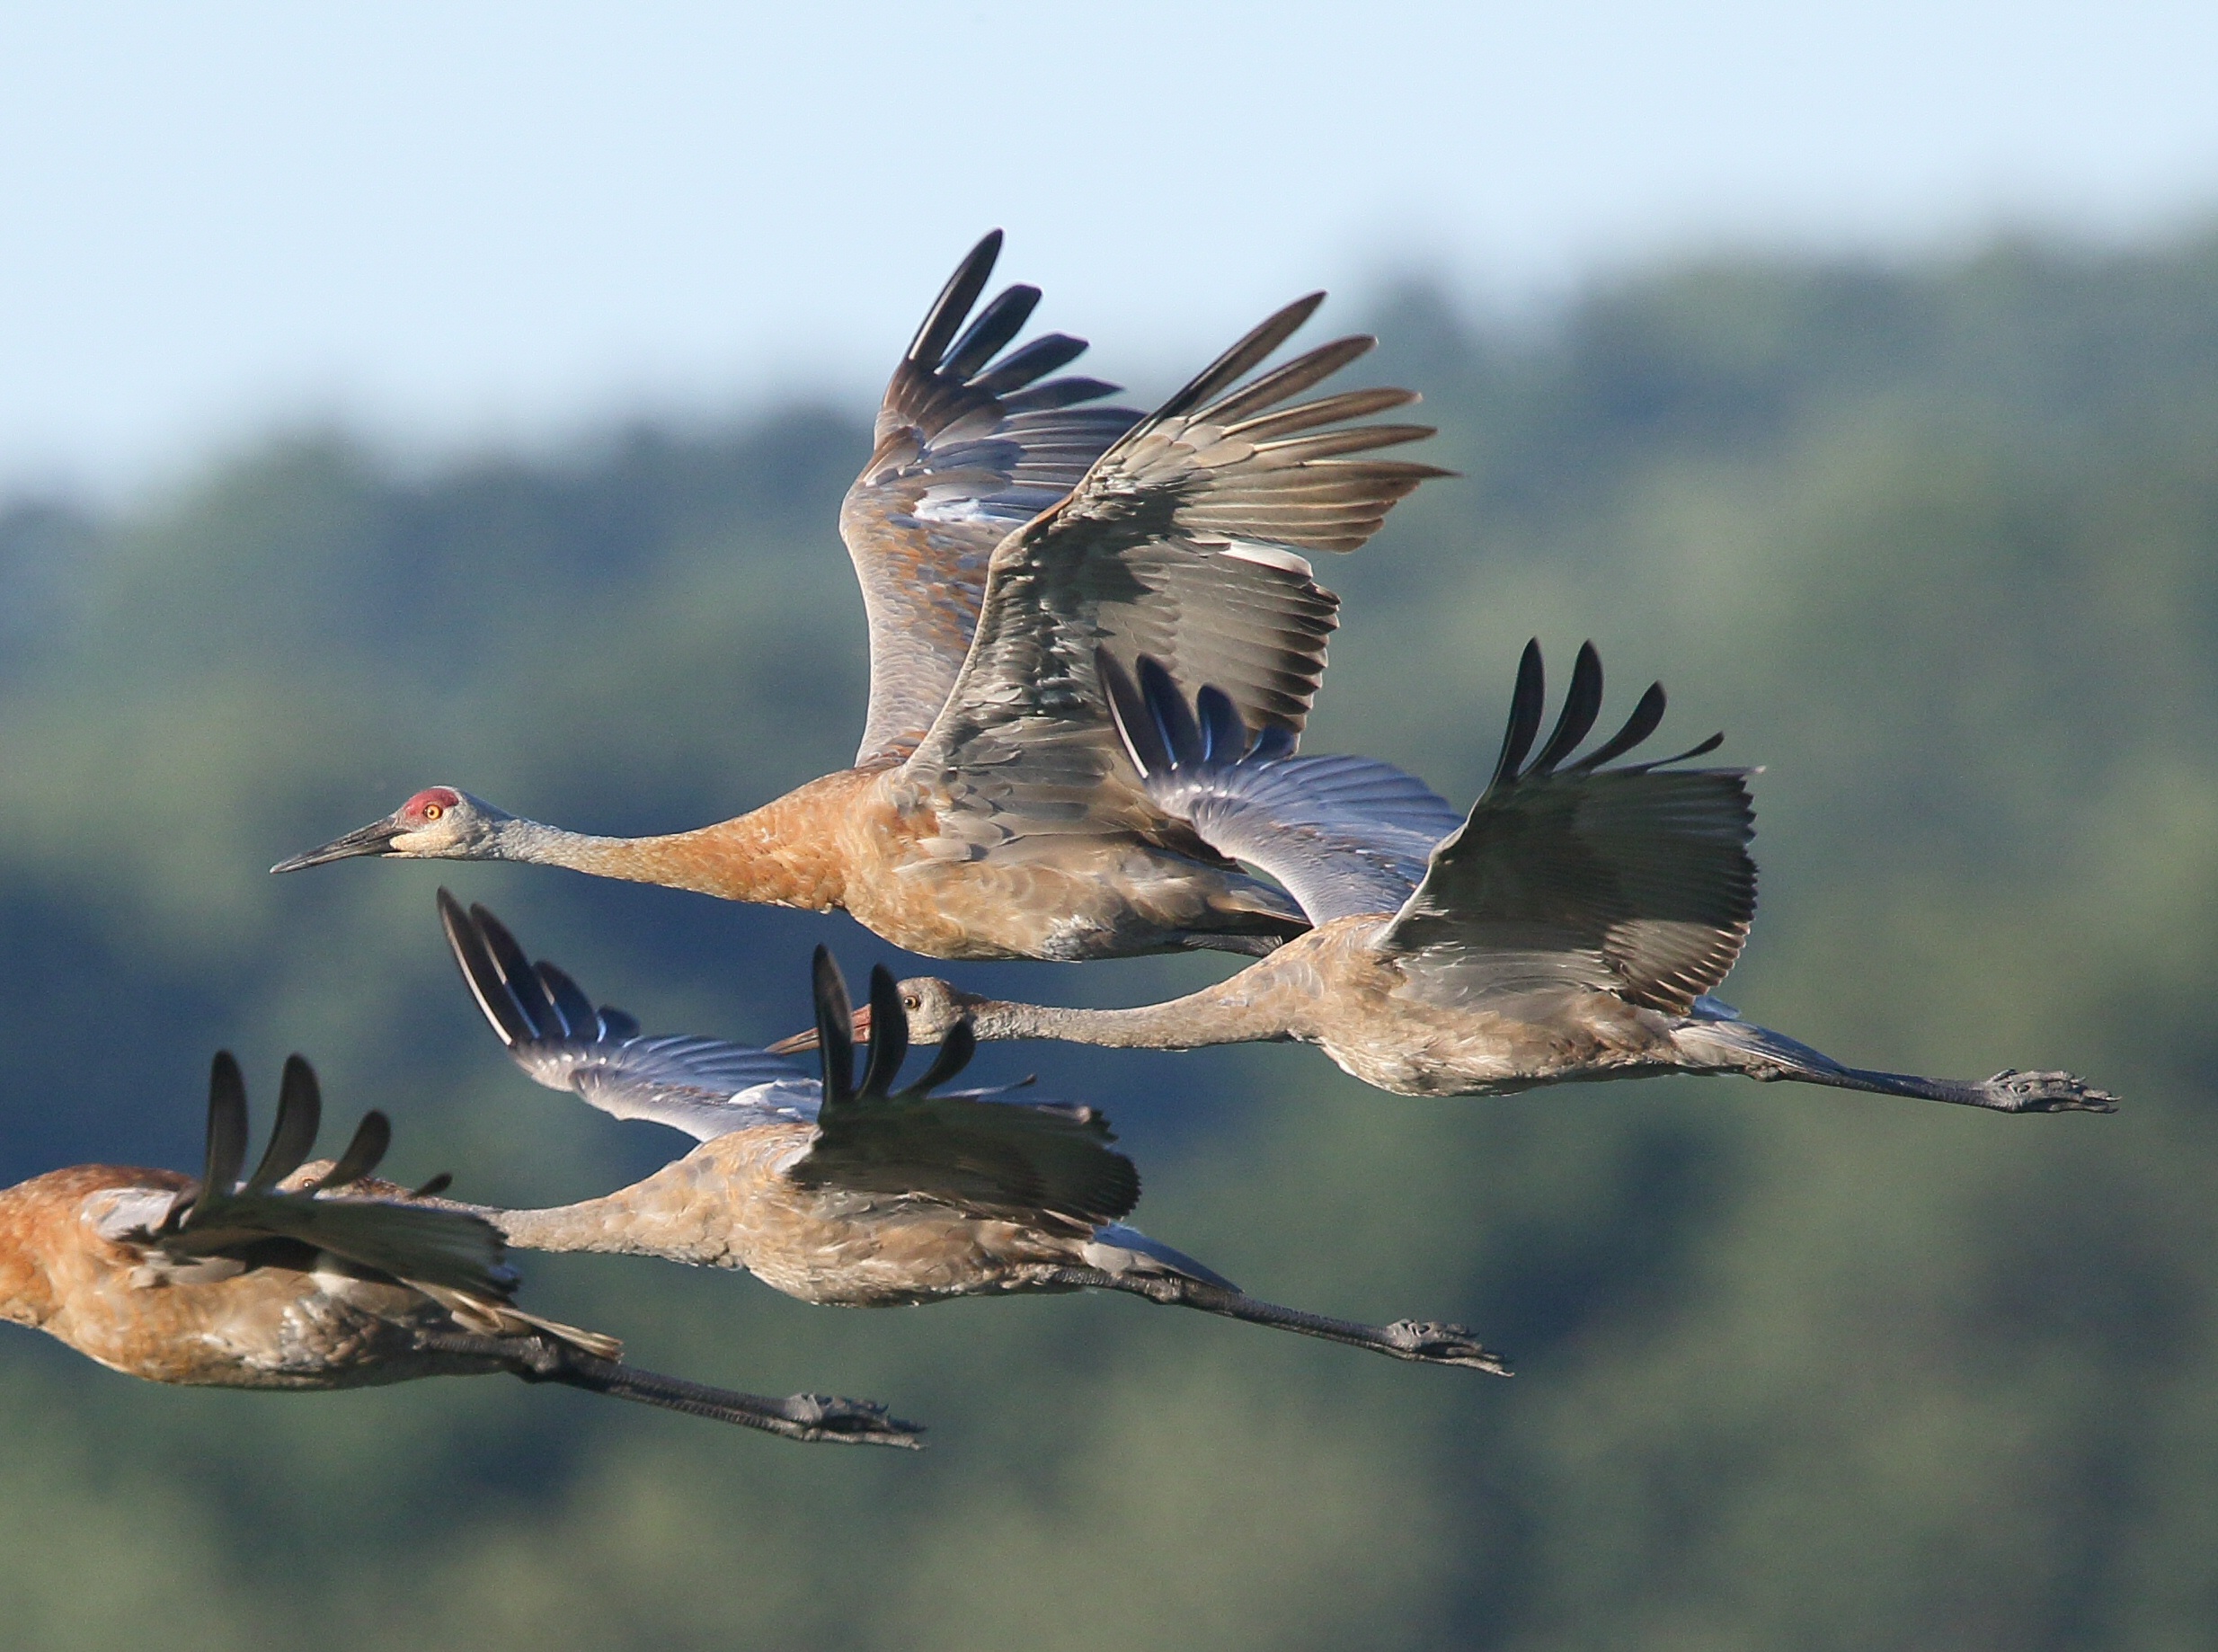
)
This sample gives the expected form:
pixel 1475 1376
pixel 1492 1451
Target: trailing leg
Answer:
pixel 814 1417
pixel 1425 1341
pixel 1718 1045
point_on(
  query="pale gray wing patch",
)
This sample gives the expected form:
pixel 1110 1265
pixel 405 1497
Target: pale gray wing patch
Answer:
pixel 705 1087
pixel 971 443
pixel 1116 1249
pixel 1635 880
pixel 130 1215
pixel 1184 541
pixel 1347 836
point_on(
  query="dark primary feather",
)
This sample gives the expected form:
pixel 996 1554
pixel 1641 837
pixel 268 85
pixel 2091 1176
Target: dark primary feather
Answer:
pixel 481 972
pixel 966 448
pixel 1581 704
pixel 299 1116
pixel 1634 880
pixel 954 1054
pixel 1528 700
pixel 227 1128
pixel 364 1153
pixel 1183 542
pixel 1346 835
pixel 937 330
pixel 835 1017
pixel 889 1034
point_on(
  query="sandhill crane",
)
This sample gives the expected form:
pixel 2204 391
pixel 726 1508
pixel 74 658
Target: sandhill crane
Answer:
pixel 277 1284
pixel 854 1192
pixel 1571 927
pixel 1001 529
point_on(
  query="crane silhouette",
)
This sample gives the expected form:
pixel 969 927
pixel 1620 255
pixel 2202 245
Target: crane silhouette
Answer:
pixel 1570 928
pixel 1001 530
pixel 305 1283
pixel 842 1189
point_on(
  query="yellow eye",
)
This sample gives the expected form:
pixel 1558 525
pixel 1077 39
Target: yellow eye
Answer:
pixel 431 811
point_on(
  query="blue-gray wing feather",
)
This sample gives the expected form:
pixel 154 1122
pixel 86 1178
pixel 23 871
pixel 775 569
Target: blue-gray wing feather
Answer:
pixel 1346 836
pixel 704 1086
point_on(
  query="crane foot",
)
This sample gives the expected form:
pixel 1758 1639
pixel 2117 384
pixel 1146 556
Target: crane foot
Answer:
pixel 848 1422
pixel 1434 1342
pixel 2012 1091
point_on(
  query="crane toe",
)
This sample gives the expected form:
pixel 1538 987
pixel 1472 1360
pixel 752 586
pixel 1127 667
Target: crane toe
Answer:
pixel 1434 1342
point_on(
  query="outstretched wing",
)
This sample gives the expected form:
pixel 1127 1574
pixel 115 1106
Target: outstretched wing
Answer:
pixel 1182 542
pixel 441 1249
pixel 1346 835
pixel 1635 880
pixel 971 444
pixel 704 1086
pixel 1044 1163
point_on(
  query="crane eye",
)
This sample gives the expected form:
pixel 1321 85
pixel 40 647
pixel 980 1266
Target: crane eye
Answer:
pixel 432 810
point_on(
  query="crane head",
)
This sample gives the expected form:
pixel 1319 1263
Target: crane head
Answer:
pixel 936 1008
pixel 437 823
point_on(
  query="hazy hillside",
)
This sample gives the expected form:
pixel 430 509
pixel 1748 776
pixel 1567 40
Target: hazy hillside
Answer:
pixel 1936 547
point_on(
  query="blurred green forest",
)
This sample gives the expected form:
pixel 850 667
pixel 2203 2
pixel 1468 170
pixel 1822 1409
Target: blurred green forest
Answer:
pixel 1938 546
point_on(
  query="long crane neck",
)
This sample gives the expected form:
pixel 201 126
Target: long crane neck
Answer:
pixel 1243 1010
pixel 786 853
pixel 647 1219
pixel 592 1224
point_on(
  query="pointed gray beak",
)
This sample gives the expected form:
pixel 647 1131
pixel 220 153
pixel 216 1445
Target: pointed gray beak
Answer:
pixel 375 838
pixel 803 1043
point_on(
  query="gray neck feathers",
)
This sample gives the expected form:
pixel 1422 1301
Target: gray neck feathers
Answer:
pixel 1209 1017
pixel 514 837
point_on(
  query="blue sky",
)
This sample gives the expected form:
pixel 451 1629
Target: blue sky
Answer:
pixel 452 225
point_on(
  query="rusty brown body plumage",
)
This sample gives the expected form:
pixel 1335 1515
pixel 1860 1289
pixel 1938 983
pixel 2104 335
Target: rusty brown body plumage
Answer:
pixel 291 1321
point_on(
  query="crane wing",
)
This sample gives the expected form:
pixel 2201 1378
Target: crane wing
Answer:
pixel 971 443
pixel 1182 542
pixel 704 1086
pixel 1346 835
pixel 1634 880
pixel 220 1215
pixel 1039 1163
